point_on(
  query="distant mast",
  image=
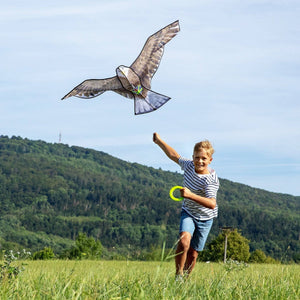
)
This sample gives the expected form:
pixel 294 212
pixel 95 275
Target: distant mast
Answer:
pixel 59 137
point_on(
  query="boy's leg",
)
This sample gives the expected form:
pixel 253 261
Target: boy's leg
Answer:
pixel 197 243
pixel 191 259
pixel 181 251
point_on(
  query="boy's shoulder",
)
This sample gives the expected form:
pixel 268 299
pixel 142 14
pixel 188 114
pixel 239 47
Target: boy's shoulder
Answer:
pixel 212 173
pixel 184 162
pixel 212 177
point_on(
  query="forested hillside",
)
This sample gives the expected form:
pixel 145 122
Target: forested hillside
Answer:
pixel 50 192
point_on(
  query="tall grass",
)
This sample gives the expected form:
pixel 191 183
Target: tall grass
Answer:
pixel 149 280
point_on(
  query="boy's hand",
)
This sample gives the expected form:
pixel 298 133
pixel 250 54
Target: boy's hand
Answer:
pixel 207 202
pixel 169 151
pixel 185 192
pixel 156 137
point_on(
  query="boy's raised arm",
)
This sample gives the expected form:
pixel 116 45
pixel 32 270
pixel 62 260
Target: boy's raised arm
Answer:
pixel 169 151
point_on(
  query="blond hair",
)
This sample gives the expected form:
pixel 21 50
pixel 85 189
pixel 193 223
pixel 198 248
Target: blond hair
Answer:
pixel 205 145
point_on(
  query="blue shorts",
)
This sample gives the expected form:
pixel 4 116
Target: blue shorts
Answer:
pixel 199 230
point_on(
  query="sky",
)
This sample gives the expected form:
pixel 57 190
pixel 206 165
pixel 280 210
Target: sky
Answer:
pixel 232 72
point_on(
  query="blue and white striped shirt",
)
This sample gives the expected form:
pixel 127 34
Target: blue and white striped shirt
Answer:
pixel 206 185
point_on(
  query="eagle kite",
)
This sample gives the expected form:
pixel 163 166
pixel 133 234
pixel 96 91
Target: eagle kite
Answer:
pixel 134 82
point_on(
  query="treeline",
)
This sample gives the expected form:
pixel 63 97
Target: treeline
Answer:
pixel 51 192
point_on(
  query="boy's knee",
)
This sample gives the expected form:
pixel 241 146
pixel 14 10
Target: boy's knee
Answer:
pixel 184 242
pixel 193 253
pixel 185 245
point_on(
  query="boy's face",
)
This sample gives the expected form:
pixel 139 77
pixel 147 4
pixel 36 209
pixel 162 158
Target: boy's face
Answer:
pixel 201 161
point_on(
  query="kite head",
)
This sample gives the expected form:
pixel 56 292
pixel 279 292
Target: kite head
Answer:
pixel 137 90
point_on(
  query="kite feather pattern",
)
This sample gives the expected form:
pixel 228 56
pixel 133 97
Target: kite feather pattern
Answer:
pixel 134 82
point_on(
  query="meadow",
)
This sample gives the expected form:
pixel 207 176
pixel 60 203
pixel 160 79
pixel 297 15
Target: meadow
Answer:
pixel 150 280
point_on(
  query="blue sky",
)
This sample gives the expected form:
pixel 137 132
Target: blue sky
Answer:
pixel 232 72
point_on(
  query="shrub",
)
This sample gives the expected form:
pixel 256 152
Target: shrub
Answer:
pixel 9 270
pixel 85 248
pixel 46 253
pixel 237 248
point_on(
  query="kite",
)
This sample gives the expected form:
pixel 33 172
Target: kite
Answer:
pixel 134 82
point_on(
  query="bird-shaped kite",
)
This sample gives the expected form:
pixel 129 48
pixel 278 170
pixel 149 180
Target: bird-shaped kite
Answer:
pixel 134 82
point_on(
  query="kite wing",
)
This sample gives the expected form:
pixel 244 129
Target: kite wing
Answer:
pixel 149 59
pixel 94 87
pixel 124 93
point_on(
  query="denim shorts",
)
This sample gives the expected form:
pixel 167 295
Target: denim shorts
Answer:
pixel 199 230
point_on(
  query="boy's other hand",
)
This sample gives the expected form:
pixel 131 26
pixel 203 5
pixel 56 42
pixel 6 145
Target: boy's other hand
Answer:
pixel 185 192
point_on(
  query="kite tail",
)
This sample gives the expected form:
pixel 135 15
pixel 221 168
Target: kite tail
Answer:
pixel 151 102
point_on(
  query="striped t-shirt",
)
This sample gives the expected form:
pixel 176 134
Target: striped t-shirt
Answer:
pixel 205 185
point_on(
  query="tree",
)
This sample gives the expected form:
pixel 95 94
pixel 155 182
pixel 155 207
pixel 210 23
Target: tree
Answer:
pixel 46 253
pixel 85 248
pixel 50 192
pixel 258 256
pixel 237 247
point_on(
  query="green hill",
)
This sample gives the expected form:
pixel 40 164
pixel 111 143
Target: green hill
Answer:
pixel 50 192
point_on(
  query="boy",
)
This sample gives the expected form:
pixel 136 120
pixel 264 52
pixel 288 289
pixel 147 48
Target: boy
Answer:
pixel 199 205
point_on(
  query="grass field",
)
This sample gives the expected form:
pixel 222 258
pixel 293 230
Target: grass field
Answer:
pixel 149 280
